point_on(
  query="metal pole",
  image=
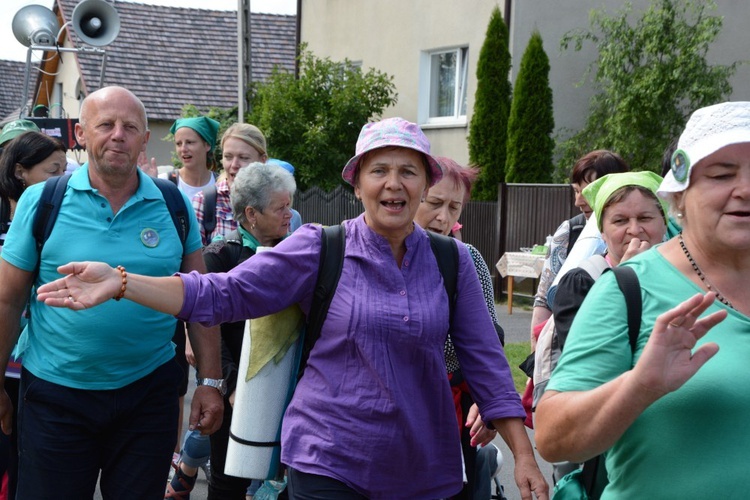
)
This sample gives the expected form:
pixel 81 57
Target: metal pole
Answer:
pixel 102 69
pixel 244 56
pixel 26 77
pixel 27 74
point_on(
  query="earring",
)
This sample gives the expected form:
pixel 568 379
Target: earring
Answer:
pixel 680 215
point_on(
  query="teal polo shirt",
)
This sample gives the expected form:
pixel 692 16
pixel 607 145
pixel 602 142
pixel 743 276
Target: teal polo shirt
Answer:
pixel 116 343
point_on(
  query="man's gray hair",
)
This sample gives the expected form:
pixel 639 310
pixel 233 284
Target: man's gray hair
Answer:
pixel 254 186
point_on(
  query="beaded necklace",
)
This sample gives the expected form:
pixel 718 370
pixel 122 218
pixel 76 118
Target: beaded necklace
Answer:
pixel 700 274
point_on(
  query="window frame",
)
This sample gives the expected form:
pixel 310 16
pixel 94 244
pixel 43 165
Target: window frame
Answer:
pixel 460 103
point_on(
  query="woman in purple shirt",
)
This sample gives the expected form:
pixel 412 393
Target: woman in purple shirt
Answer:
pixel 373 415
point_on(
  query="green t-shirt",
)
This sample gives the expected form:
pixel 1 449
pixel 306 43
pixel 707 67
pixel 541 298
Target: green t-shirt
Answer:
pixel 691 443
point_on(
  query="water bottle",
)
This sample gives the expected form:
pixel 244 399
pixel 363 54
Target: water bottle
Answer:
pixel 270 490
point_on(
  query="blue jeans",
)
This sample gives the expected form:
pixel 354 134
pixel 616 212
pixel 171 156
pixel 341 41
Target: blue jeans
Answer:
pixel 67 436
pixel 196 449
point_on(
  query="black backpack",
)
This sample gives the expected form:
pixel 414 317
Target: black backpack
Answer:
pixel 54 191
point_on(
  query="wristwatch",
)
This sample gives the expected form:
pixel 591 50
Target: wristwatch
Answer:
pixel 218 383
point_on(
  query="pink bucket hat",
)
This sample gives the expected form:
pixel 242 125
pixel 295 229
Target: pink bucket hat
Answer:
pixel 389 133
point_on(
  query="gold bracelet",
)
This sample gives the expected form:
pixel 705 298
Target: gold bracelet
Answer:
pixel 124 275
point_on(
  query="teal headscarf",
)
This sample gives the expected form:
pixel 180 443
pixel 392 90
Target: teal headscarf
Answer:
pixel 207 128
pixel 598 192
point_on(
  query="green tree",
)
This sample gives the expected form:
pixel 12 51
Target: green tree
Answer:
pixel 313 121
pixel 651 73
pixel 489 122
pixel 531 121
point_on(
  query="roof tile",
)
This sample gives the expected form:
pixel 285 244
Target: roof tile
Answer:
pixel 171 56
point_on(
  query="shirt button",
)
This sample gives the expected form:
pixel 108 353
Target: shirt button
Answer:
pixel 104 205
pixel 402 292
pixel 406 262
pixel 406 318
pixel 109 219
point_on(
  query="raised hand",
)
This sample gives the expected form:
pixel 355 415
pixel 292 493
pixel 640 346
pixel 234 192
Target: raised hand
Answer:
pixel 85 285
pixel 668 360
pixel 148 167
pixel 635 247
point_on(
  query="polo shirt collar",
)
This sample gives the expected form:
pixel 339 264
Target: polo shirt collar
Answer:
pixel 146 188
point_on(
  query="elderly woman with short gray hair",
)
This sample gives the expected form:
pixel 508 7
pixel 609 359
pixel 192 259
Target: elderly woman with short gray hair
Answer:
pixel 261 199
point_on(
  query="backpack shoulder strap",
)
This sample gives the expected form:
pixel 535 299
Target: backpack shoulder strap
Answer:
pixel 595 266
pixel 176 206
pixel 576 225
pixel 233 247
pixel 628 282
pixel 4 215
pixel 209 209
pixel 48 208
pixel 594 473
pixel 174 177
pixel 332 247
pixel 446 254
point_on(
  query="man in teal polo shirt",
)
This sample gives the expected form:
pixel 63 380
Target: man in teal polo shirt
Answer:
pixel 100 386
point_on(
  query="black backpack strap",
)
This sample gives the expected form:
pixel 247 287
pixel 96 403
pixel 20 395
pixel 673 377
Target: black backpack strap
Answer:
pixel 332 247
pixel 177 207
pixel 48 208
pixel 628 282
pixel 594 473
pixel 4 215
pixel 209 209
pixel 446 254
pixel 576 225
pixel 233 247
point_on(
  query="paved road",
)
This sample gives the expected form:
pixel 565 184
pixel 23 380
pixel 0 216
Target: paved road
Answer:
pixel 516 328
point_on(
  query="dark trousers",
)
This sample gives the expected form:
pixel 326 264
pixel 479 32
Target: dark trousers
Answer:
pixel 303 486
pixel 223 486
pixel 9 444
pixel 67 436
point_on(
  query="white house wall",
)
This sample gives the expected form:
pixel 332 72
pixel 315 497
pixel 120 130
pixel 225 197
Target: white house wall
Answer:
pixel 567 68
pixel 390 35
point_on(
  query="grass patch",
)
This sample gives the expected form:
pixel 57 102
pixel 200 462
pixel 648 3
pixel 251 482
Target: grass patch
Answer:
pixel 516 353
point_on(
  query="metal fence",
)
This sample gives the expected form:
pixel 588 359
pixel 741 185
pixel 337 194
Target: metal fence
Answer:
pixel 523 215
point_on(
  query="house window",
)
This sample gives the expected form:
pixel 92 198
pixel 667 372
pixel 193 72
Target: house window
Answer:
pixel 445 85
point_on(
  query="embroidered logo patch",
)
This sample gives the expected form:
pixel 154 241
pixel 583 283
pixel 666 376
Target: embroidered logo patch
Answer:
pixel 150 237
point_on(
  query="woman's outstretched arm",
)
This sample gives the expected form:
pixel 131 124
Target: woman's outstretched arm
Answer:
pixel 87 284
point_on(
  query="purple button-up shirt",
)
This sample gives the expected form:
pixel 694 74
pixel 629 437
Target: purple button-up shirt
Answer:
pixel 374 408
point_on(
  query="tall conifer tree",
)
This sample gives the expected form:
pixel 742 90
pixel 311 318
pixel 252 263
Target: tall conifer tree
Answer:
pixel 531 122
pixel 488 132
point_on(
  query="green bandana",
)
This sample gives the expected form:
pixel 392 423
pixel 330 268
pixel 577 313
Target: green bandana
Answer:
pixel 598 192
pixel 207 128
